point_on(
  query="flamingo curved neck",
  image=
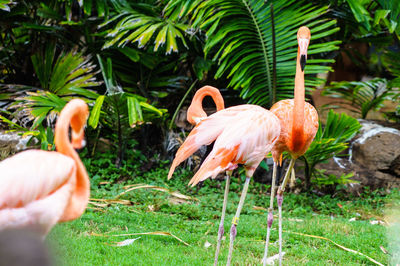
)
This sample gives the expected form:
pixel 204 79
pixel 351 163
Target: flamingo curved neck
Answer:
pixel 298 109
pixel 80 194
pixel 195 111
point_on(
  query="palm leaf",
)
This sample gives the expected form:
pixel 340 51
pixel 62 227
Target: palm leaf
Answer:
pixel 331 139
pixel 134 26
pixel 4 5
pixel 362 96
pixel 239 37
pixel 70 70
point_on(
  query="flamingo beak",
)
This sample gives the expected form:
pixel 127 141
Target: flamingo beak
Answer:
pixel 303 46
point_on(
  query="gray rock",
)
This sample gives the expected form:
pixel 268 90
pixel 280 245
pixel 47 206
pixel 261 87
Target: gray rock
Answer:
pixel 376 147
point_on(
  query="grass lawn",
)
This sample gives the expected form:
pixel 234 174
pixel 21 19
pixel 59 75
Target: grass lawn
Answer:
pixel 196 222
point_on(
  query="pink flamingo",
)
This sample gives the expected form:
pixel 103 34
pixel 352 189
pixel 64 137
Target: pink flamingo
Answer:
pixel 40 188
pixel 195 114
pixel 299 124
pixel 243 134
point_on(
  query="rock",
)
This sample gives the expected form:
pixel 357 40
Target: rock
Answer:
pixel 372 178
pixel 376 147
pixel 395 166
pixel 11 143
pixel 374 158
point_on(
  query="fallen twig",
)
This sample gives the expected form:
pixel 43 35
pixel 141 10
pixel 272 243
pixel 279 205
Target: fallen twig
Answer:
pixel 172 193
pixel 159 233
pixel 338 245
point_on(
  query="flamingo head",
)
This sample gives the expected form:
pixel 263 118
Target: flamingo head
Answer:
pixel 303 38
pixel 195 114
pixel 78 123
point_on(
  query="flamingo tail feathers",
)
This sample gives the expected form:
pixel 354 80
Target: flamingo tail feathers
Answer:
pixel 215 163
pixel 188 148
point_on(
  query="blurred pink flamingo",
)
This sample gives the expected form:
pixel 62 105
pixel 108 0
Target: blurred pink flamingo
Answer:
pixel 40 188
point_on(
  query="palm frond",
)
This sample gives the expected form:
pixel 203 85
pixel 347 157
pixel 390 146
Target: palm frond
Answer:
pixel 145 29
pixel 362 96
pixel 61 75
pixel 239 37
pixel 331 139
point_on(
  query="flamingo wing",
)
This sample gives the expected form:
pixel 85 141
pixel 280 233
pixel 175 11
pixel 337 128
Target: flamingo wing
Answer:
pixel 245 140
pixel 204 133
pixel 35 188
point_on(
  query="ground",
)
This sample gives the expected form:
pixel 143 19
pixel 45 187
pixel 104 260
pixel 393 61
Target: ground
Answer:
pixel 346 221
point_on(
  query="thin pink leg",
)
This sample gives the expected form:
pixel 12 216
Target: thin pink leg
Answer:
pixel 236 219
pixel 279 198
pixel 221 224
pixel 270 214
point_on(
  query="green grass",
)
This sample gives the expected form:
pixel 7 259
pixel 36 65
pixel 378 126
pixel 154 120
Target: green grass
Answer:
pixel 196 222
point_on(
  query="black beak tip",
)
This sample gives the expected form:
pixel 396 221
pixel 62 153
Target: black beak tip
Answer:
pixel 303 62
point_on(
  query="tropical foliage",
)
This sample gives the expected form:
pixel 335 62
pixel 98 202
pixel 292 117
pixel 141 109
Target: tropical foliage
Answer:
pixel 136 63
pixel 362 96
pixel 255 44
pixel 330 140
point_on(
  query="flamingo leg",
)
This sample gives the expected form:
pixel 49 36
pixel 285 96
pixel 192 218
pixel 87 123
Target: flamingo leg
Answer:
pixel 279 198
pixel 270 214
pixel 236 219
pixel 221 224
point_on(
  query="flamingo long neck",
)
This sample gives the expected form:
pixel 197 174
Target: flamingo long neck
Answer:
pixel 209 91
pixel 298 109
pixel 80 194
pixel 196 107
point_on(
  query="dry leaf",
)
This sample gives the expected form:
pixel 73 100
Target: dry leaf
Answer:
pixel 340 246
pixel 295 220
pixel 172 193
pixel 383 249
pixel 258 208
pixel 126 242
pixel 102 205
pixel 96 209
pixel 207 244
pixel 177 201
pixel 158 233
pixel 112 201
pixel 376 222
pixel 271 260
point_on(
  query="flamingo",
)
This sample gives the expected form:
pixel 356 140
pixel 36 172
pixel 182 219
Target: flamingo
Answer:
pixel 243 134
pixel 40 188
pixel 299 124
pixel 195 114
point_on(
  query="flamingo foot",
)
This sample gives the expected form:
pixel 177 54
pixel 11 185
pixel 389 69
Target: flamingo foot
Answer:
pixel 232 239
pixel 269 223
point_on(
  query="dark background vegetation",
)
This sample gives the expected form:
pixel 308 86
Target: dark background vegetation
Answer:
pixel 136 63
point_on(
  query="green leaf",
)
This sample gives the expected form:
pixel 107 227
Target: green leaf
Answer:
pixel 239 38
pixel 95 114
pixel 131 53
pixel 134 111
pixel 379 15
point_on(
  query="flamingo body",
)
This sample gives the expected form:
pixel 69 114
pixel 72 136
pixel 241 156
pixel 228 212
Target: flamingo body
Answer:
pixel 243 134
pixel 40 188
pixel 287 142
